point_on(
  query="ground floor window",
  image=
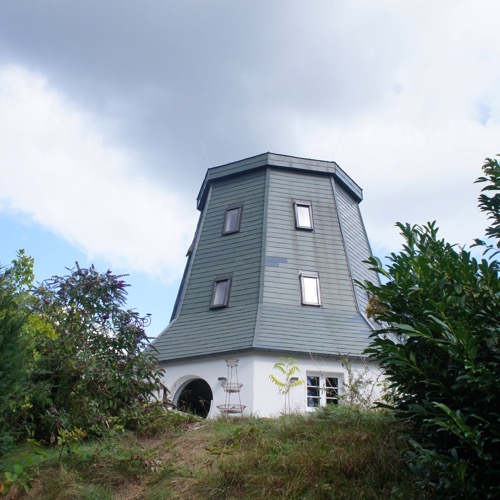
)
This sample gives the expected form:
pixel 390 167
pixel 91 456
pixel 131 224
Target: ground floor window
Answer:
pixel 322 390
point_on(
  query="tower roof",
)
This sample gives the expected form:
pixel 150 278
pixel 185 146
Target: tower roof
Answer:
pixel 272 230
pixel 277 161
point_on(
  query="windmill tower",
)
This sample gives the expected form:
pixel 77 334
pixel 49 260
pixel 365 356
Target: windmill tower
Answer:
pixel 270 273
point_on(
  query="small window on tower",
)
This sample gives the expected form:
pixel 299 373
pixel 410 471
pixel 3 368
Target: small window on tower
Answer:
pixel 309 289
pixel 221 290
pixel 303 215
pixel 233 219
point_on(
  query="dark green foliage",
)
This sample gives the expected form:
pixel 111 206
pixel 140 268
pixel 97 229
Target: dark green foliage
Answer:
pixel 489 202
pixel 440 312
pixel 15 282
pixel 73 361
pixel 93 372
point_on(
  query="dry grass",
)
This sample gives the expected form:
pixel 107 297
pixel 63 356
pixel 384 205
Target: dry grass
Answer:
pixel 338 453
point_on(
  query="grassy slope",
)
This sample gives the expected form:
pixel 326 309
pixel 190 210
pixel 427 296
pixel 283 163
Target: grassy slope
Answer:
pixel 335 453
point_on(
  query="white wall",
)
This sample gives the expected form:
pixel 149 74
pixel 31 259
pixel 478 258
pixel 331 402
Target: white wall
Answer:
pixel 258 393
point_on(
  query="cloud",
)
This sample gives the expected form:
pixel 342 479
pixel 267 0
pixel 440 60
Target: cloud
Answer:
pixel 404 95
pixel 58 169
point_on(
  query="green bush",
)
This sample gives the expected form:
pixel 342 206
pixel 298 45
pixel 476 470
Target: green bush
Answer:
pixel 94 371
pixel 74 361
pixel 15 282
pixel 440 312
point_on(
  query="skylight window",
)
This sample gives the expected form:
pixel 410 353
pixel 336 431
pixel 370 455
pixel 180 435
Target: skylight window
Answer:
pixel 309 289
pixel 303 215
pixel 232 219
pixel 221 290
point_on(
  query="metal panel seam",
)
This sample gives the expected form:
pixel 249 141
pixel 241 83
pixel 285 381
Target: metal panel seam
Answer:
pixel 262 257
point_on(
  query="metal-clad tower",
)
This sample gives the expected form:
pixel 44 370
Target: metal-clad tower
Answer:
pixel 271 272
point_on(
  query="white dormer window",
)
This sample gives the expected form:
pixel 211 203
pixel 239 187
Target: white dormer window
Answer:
pixel 232 219
pixel 309 289
pixel 303 215
pixel 221 290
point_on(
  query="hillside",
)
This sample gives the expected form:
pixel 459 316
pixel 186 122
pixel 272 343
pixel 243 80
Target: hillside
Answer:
pixel 335 453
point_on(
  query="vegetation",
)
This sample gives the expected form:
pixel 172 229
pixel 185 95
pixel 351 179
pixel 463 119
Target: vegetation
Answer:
pixel 359 386
pixel 74 360
pixel 287 367
pixel 336 452
pixel 440 311
pixel 76 383
pixel 15 283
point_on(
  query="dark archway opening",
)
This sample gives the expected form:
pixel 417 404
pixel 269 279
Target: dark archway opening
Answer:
pixel 196 397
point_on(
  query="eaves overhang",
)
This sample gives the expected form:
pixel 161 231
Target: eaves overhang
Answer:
pixel 277 161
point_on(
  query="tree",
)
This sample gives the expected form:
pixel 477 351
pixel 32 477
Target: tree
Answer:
pixel 439 311
pixel 93 371
pixel 491 204
pixel 287 367
pixel 15 284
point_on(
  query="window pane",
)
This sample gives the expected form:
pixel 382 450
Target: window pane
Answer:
pixel 313 392
pixel 312 402
pixel 332 382
pixel 332 390
pixel 220 293
pixel 303 216
pixel 313 396
pixel 231 224
pixel 310 293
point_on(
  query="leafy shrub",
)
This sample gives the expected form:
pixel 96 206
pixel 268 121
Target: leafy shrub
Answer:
pixel 15 284
pixel 73 357
pixel 440 311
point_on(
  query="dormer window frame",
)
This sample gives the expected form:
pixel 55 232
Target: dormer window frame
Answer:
pixel 300 209
pixel 308 279
pixel 220 295
pixel 232 219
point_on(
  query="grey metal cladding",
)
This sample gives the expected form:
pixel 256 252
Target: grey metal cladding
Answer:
pixel 198 329
pixel 357 244
pixel 265 257
pixel 277 161
pixel 334 327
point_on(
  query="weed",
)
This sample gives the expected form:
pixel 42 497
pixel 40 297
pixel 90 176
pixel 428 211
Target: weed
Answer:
pixel 335 452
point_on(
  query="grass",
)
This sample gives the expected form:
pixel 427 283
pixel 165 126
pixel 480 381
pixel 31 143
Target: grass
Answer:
pixel 337 452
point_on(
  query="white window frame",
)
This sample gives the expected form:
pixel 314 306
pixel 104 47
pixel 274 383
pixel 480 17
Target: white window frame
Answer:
pixel 306 278
pixel 218 280
pixel 297 206
pixel 238 207
pixel 322 393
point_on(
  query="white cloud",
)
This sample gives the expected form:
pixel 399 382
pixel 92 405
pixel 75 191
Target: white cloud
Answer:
pixel 57 168
pixel 419 150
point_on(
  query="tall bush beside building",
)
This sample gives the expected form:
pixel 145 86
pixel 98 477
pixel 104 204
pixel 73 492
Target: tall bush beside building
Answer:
pixel 73 359
pixel 440 311
pixel 16 281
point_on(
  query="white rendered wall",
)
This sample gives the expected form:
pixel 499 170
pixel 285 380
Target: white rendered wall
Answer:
pixel 176 376
pixel 258 393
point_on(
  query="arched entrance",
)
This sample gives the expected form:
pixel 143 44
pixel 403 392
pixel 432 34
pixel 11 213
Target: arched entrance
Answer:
pixel 195 397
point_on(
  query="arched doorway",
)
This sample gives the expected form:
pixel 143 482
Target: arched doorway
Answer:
pixel 195 397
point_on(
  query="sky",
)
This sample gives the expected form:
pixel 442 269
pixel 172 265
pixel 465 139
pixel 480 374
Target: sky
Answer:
pixel 111 111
